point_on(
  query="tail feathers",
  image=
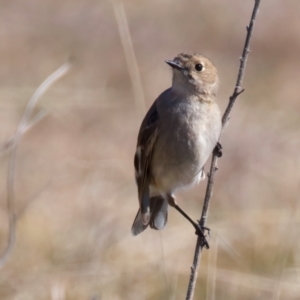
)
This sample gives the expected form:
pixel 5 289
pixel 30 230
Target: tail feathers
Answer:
pixel 158 216
pixel 145 206
pixel 138 225
pixel 159 213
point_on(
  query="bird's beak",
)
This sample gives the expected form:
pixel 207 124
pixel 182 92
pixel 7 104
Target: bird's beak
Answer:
pixel 174 65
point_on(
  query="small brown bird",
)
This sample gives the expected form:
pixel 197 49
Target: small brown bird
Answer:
pixel 176 138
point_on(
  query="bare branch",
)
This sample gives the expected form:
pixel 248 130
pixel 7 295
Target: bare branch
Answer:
pixel 23 126
pixel 209 189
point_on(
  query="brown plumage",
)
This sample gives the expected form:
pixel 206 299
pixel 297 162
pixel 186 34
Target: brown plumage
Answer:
pixel 176 137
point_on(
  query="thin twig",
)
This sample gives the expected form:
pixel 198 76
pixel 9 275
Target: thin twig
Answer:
pixel 212 271
pixel 130 57
pixel 7 146
pixel 237 91
pixel 22 127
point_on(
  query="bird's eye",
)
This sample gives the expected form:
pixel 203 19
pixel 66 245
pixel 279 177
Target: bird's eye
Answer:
pixel 199 67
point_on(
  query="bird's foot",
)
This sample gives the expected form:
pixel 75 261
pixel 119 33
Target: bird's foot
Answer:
pixel 200 231
pixel 218 150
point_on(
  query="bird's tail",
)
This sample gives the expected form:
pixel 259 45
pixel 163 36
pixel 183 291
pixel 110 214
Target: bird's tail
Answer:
pixel 158 216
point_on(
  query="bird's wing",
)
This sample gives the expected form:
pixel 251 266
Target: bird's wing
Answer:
pixel 146 140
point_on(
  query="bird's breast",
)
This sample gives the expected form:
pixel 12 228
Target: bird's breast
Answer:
pixel 184 144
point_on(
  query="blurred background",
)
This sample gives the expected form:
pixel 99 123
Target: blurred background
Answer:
pixel 75 194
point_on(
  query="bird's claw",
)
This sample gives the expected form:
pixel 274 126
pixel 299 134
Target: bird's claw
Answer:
pixel 218 150
pixel 200 231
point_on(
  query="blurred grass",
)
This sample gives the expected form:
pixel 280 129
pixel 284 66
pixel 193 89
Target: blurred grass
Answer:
pixel 75 191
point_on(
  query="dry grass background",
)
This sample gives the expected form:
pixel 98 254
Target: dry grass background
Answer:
pixel 75 192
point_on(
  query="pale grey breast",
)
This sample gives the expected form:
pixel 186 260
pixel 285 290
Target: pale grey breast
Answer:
pixel 186 130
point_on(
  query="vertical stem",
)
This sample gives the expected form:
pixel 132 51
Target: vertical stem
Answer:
pixel 130 57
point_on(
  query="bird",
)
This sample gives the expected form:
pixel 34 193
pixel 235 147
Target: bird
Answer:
pixel 176 137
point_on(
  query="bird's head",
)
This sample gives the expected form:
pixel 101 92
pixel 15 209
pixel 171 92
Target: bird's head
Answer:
pixel 194 73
